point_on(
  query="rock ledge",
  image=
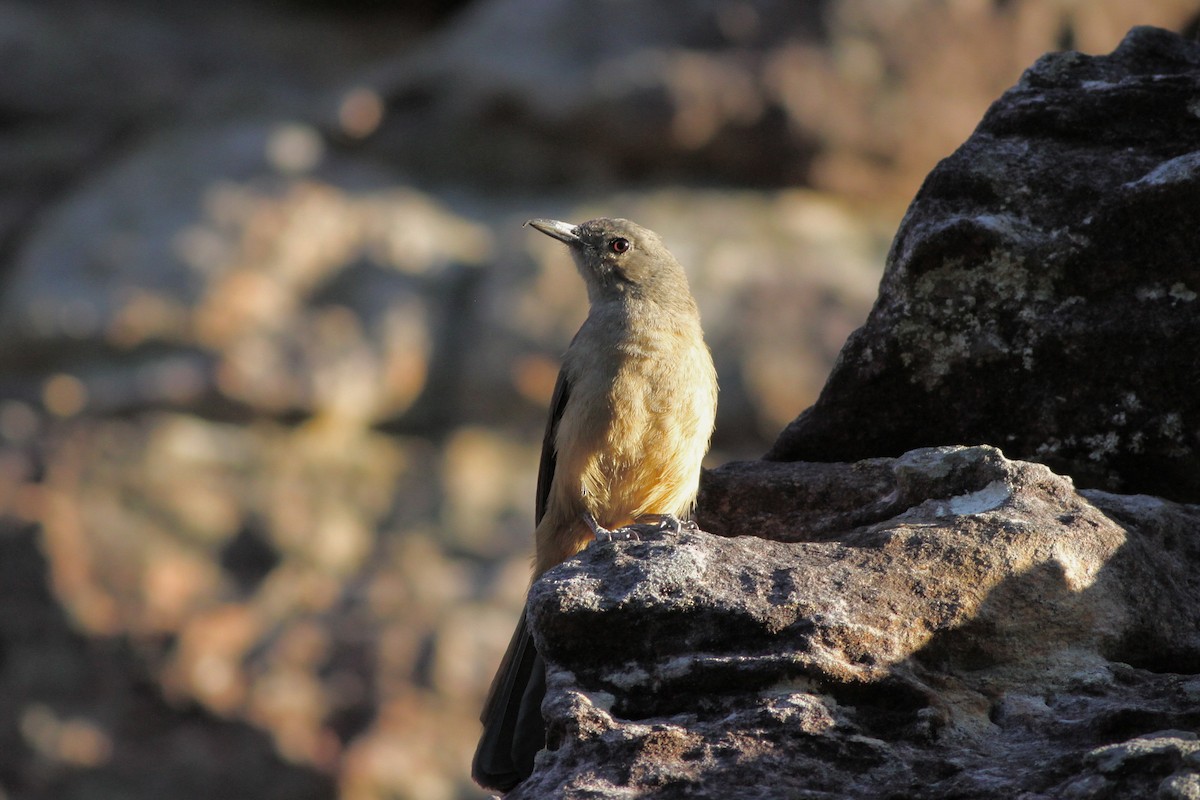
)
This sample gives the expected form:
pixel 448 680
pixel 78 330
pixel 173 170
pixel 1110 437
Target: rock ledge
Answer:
pixel 988 632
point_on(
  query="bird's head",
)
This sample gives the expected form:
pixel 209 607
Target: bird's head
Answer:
pixel 619 259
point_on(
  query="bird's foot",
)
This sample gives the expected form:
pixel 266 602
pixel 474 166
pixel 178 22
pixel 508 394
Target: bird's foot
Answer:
pixel 603 534
pixel 667 522
pixel 645 524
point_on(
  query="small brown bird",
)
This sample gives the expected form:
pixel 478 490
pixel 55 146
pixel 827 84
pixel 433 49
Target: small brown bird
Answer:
pixel 630 422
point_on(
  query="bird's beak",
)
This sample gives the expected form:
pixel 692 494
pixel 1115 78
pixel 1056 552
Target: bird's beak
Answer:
pixel 563 231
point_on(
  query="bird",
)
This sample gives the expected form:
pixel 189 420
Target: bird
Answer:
pixel 631 418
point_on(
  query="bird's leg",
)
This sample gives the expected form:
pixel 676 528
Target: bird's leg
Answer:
pixel 601 533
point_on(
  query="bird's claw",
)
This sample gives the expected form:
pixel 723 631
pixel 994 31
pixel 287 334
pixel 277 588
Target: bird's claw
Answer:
pixel 667 522
pixel 647 523
pixel 603 534
pixel 625 533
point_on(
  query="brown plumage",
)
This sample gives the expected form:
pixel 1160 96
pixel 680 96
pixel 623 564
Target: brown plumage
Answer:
pixel 629 424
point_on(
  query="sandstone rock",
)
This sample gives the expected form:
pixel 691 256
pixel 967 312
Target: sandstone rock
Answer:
pixel 1040 294
pixel 1163 764
pixel 82 84
pixel 82 716
pixel 857 98
pixel 197 274
pixel 530 93
pixel 980 630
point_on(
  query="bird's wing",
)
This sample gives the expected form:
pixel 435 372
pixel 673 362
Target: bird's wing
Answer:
pixel 562 390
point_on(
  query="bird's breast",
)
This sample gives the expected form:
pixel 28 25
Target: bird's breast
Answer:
pixel 638 423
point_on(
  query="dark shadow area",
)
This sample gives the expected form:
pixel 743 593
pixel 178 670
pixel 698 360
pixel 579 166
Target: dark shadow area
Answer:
pixel 249 557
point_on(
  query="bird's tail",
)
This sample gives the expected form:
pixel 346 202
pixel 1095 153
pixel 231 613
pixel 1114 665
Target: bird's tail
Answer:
pixel 513 727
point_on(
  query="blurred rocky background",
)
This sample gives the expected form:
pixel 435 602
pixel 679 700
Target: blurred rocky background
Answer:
pixel 275 351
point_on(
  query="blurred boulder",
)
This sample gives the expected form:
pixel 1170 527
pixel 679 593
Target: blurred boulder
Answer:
pixel 981 630
pixel 81 714
pixel 83 84
pixel 195 271
pixel 576 93
pixel 858 98
pixel 1040 294
pixel 234 287
pixel 290 580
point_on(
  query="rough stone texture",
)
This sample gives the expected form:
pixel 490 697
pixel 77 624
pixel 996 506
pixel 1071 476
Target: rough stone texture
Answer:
pixel 1040 294
pixel 980 630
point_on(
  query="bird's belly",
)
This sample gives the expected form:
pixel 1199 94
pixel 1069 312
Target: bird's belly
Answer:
pixel 648 459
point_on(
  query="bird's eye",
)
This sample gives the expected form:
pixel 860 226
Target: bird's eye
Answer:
pixel 619 245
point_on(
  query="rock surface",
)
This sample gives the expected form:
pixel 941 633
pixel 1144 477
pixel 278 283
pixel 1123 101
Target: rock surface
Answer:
pixel 1041 293
pixel 981 629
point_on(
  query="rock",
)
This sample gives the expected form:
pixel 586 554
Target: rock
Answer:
pixel 856 98
pixel 82 85
pixel 81 716
pixel 1166 761
pixel 197 274
pixel 1040 294
pixel 525 94
pixel 979 629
